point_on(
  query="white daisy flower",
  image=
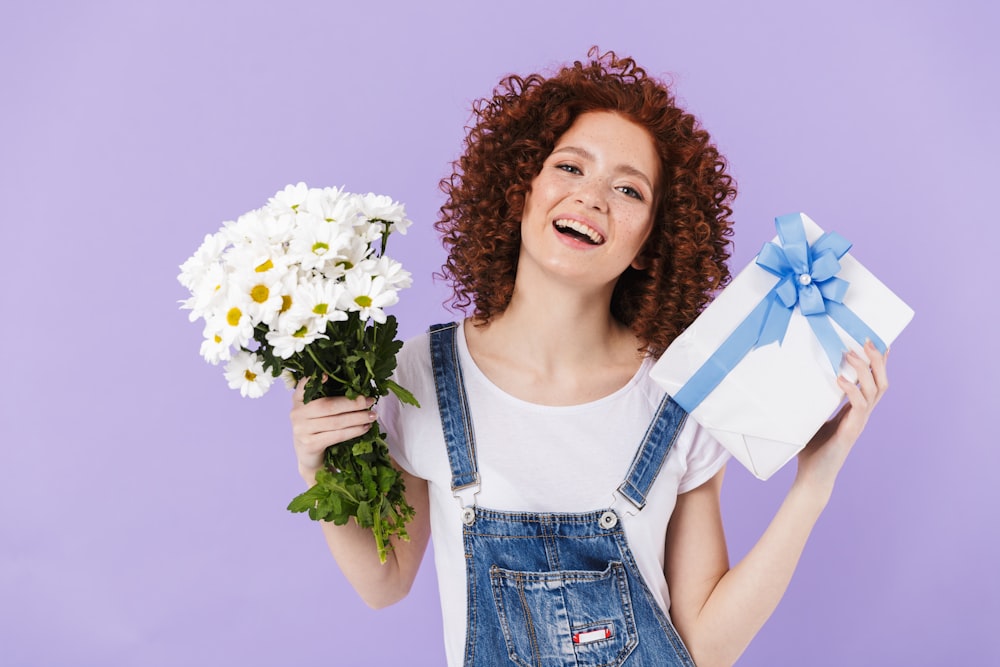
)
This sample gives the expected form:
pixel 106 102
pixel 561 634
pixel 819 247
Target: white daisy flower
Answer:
pixel 261 290
pixel 381 207
pixel 288 200
pixel 396 277
pixel 214 348
pixel 352 254
pixel 235 325
pixel 316 241
pixel 258 229
pixel 287 289
pixel 245 371
pixel 330 205
pixel 367 295
pixel 208 292
pixel 317 302
pixel 207 256
pixel 289 379
pixel 286 341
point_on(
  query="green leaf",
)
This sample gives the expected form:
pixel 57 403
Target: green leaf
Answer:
pixel 387 476
pixel 403 395
pixel 364 517
pixel 306 500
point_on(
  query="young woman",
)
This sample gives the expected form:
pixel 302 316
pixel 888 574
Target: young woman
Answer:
pixel 574 508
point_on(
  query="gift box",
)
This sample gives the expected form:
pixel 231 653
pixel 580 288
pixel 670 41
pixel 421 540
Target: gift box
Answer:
pixel 758 367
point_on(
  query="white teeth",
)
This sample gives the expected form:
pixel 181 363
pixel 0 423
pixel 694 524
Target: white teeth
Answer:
pixel 592 234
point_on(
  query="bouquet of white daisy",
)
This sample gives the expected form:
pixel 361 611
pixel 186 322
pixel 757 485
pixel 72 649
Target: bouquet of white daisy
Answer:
pixel 297 289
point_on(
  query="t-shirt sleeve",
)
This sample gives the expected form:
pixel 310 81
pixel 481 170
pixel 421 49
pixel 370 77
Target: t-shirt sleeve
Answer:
pixel 401 423
pixel 705 457
pixel 388 410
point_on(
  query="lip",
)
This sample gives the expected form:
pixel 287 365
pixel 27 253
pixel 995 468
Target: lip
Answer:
pixel 584 221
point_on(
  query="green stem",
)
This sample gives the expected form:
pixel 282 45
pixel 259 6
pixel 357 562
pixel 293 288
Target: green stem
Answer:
pixel 334 486
pixel 385 238
pixel 323 368
pixel 377 531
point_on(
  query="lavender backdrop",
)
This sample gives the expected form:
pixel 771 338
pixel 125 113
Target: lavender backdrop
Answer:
pixel 142 515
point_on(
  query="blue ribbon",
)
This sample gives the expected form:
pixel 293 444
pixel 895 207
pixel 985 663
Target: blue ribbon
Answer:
pixel 807 278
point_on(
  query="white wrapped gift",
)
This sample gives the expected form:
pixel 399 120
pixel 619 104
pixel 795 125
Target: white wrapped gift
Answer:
pixel 764 394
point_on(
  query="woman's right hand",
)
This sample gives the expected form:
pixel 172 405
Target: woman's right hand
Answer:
pixel 323 422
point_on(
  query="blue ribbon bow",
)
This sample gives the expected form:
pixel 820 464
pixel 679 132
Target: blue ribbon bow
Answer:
pixel 808 278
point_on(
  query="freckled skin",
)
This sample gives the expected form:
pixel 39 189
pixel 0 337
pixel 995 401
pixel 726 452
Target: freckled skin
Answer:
pixel 600 173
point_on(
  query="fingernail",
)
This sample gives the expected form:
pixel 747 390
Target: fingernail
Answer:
pixel 372 416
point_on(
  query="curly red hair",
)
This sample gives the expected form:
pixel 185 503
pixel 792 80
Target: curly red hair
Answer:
pixel 513 133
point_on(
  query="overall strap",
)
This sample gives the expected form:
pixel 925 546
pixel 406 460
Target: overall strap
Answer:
pixel 659 438
pixel 456 421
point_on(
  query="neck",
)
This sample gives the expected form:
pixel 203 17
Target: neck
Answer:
pixel 556 344
pixel 554 326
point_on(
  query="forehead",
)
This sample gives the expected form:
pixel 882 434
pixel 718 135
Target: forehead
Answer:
pixel 613 138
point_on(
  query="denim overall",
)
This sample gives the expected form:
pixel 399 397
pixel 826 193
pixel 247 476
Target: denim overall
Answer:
pixel 553 589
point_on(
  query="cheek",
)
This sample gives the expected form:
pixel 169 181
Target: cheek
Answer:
pixel 643 230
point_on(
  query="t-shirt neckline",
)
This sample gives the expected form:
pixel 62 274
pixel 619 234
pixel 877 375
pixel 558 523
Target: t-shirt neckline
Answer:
pixel 472 371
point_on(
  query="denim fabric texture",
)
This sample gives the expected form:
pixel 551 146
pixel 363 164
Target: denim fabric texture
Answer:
pixel 553 589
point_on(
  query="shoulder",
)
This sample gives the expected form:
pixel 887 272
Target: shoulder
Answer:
pixel 415 350
pixel 409 427
pixel 413 362
pixel 697 452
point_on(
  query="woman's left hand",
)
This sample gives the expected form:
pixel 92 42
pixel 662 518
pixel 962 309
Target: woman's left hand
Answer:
pixel 823 457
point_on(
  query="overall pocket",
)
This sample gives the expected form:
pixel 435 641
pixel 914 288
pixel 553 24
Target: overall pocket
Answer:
pixel 570 617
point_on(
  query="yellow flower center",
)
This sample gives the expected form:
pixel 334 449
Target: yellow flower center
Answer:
pixel 266 266
pixel 320 248
pixel 250 375
pixel 259 293
pixel 364 300
pixel 301 333
pixel 218 339
pixel 347 265
pixel 233 316
pixel 286 302
pixel 320 309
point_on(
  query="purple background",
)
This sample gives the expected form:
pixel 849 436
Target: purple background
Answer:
pixel 142 515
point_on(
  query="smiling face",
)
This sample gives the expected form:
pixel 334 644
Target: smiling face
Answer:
pixel 590 208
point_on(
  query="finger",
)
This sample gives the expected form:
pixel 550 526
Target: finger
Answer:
pixel 327 420
pixel 298 396
pixel 865 379
pixel 344 420
pixel 855 411
pixel 334 432
pixel 332 405
pixel 879 362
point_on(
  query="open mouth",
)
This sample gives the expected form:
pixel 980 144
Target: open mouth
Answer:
pixel 578 230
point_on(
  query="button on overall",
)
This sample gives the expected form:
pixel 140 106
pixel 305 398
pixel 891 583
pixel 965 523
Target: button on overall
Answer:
pixel 468 516
pixel 554 589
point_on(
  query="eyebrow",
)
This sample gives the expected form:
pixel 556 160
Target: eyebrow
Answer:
pixel 623 167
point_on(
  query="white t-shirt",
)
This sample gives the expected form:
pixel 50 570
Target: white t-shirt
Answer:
pixel 538 458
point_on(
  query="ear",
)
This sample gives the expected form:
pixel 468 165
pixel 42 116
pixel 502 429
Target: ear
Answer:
pixel 641 261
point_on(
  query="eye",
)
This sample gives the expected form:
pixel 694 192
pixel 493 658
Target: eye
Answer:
pixel 630 192
pixel 569 168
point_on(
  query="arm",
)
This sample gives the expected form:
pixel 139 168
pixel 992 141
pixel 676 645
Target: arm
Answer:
pixel 718 610
pixel 328 421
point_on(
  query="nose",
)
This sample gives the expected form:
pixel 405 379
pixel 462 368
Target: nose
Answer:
pixel 592 194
